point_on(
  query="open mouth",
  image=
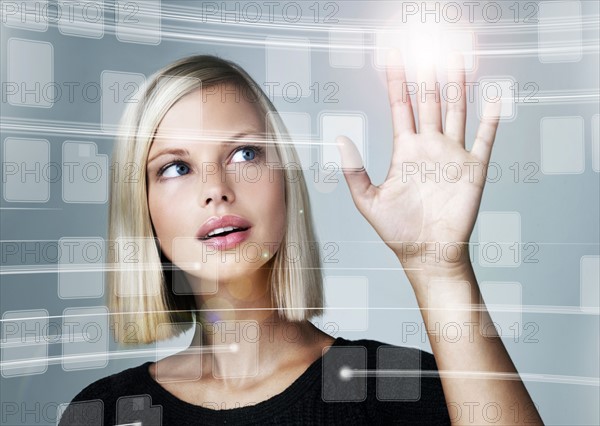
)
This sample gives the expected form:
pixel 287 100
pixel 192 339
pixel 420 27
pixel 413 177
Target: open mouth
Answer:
pixel 221 232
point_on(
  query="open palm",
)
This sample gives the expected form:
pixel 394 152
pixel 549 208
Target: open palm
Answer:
pixel 434 186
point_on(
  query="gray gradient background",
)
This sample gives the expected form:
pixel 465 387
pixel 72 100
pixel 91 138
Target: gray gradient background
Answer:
pixel 559 213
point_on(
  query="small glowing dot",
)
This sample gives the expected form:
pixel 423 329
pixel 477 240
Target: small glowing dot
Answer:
pixel 197 265
pixel 345 373
pixel 301 211
pixel 265 255
pixel 234 347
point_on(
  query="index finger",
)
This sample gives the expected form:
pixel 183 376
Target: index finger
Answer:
pixel 486 133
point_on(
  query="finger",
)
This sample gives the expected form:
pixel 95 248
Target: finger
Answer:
pixel 403 120
pixel 486 133
pixel 456 106
pixel 428 103
pixel 355 174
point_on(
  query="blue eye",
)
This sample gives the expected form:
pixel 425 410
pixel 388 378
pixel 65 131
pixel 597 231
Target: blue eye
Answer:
pixel 174 170
pixel 248 153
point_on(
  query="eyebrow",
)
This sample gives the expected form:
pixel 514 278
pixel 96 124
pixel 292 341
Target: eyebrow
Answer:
pixel 184 152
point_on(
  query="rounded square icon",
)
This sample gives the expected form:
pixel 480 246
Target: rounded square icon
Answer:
pixel 499 239
pixel 85 173
pixel 30 73
pixel 589 283
pixel 81 268
pixel 562 145
pixel 27 171
pixel 85 343
pixel 398 373
pixel 559 31
pixel 25 337
pixel 497 98
pixel 341 380
pixel 596 143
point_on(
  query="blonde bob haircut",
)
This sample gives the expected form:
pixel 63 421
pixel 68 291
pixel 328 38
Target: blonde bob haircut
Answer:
pixel 141 294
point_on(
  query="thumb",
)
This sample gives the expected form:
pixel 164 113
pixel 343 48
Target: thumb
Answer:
pixel 354 171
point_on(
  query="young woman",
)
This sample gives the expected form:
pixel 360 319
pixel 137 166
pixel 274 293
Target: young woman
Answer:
pixel 221 206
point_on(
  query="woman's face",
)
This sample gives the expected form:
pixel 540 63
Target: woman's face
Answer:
pixel 208 161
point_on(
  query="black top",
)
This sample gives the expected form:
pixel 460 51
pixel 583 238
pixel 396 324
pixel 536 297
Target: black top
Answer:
pixel 377 393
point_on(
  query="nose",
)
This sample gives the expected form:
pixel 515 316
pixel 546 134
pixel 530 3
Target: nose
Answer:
pixel 215 189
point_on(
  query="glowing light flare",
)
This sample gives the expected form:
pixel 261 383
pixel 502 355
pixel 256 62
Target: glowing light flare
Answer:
pixel 425 43
pixel 425 47
pixel 345 373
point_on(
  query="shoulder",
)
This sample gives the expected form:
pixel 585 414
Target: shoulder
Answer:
pixel 97 401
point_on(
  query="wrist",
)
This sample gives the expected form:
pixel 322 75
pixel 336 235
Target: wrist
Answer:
pixel 447 262
pixel 442 257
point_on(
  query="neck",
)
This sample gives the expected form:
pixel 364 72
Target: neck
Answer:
pixel 239 331
pixel 246 298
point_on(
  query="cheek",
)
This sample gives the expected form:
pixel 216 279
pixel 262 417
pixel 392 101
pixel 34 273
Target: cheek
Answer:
pixel 265 197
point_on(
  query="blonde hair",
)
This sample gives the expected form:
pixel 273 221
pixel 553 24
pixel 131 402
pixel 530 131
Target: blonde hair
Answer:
pixel 142 296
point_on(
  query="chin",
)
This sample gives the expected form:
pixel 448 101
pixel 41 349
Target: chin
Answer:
pixel 244 260
pixel 229 268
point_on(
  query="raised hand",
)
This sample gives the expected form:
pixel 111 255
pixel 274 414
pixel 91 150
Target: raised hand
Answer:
pixel 433 188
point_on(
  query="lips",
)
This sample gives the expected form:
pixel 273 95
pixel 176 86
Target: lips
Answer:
pixel 215 223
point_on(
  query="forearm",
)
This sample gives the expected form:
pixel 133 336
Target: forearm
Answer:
pixel 466 347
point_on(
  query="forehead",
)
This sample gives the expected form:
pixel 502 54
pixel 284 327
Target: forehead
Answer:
pixel 213 112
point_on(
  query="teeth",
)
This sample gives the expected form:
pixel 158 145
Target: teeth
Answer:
pixel 220 230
